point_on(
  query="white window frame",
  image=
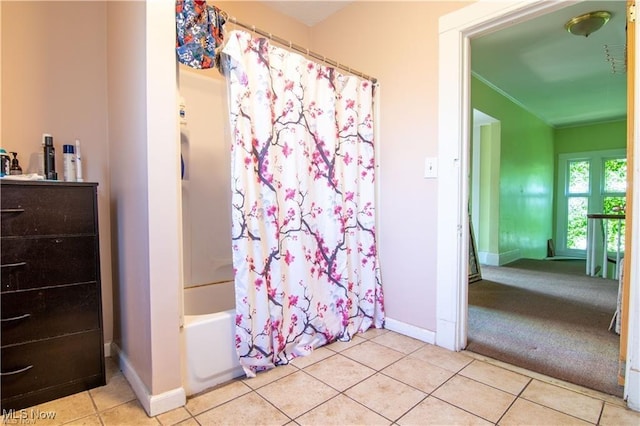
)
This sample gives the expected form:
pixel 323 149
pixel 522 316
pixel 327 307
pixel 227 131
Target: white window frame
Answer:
pixel 595 194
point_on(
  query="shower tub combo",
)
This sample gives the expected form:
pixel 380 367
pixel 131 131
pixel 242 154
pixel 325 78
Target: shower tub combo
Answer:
pixel 209 356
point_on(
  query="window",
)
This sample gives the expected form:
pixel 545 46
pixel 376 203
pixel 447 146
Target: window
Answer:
pixel 591 182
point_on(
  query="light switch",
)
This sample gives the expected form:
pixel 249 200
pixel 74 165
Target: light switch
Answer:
pixel 430 167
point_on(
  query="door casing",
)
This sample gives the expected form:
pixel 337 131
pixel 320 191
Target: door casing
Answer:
pixel 456 31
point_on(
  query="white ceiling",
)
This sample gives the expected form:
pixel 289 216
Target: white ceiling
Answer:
pixel 563 79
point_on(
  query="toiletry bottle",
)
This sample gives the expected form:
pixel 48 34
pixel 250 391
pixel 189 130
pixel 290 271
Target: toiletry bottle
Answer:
pixel 49 158
pixel 69 161
pixel 78 163
pixel 15 168
pixel 4 162
pixel 40 170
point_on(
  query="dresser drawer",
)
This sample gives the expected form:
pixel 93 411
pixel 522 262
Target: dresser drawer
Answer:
pixel 39 262
pixel 49 312
pixel 51 362
pixel 47 210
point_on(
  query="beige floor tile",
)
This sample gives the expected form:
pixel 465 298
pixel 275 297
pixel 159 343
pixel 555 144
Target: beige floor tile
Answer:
pixel 614 415
pixel 111 368
pixel 432 411
pixel 265 377
pixel 610 399
pixel 449 360
pixel 524 412
pixel 572 403
pixel 386 396
pixel 63 410
pixel 341 346
pixel 318 354
pixel 213 398
pixel 373 332
pixel 339 372
pixel 93 420
pixel 495 376
pixel 174 416
pixel 128 414
pixel 117 391
pixel 189 422
pixel 341 411
pixel 418 373
pixel 398 342
pixel 248 409
pixel 475 397
pixel 297 393
pixel 373 355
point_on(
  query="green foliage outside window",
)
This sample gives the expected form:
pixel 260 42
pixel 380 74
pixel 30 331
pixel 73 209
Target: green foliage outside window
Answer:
pixel 613 201
pixel 577 223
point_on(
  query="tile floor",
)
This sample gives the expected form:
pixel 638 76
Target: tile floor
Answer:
pixel 380 377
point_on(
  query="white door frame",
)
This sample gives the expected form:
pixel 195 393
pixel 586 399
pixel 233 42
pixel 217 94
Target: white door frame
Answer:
pixel 456 30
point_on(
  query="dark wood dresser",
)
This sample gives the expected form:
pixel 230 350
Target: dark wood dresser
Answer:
pixel 52 339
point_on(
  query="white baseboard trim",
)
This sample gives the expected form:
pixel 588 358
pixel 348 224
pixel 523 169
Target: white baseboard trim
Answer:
pixel 509 256
pixel 487 258
pixel 167 401
pixel 632 389
pixel 107 350
pixel 152 404
pixel 410 330
pixel 444 336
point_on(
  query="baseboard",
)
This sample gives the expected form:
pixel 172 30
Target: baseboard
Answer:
pixel 498 259
pixel 509 256
pixel 167 401
pixel 410 330
pixel 487 258
pixel 152 404
pixel 445 337
pixel 107 350
pixel 632 389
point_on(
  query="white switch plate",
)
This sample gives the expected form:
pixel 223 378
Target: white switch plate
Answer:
pixel 430 167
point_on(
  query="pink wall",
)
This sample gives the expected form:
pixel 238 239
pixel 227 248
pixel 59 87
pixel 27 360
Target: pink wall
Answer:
pixel 54 65
pixel 129 186
pixel 397 42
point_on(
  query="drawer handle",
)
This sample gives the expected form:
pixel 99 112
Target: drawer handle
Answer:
pixel 14 211
pixel 21 370
pixel 19 317
pixel 13 265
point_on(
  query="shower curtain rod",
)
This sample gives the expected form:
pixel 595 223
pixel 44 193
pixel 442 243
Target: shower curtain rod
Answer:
pixel 297 48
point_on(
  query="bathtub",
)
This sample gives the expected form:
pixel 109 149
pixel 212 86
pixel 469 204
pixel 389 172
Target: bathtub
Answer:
pixel 208 334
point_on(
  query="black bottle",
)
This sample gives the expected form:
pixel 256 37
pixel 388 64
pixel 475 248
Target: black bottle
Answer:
pixel 49 158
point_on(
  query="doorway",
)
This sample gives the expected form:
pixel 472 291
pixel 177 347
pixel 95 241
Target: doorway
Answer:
pixel 485 186
pixel 456 30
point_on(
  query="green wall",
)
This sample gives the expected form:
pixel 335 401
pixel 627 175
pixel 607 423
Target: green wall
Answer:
pixel 594 137
pixel 526 174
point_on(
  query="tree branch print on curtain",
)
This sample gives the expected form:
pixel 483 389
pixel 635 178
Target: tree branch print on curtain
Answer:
pixel 304 242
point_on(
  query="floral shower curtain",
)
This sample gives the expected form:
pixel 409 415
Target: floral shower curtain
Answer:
pixel 303 203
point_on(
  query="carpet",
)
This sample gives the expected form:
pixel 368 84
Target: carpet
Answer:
pixel 548 317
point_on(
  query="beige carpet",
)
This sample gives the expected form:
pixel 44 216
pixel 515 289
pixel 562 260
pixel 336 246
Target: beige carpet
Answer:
pixel 549 317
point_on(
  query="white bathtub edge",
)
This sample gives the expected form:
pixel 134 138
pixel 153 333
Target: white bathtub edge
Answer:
pixel 205 361
pixel 193 387
pixel 190 320
pixel 152 404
